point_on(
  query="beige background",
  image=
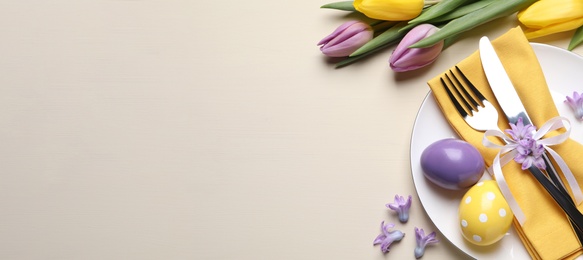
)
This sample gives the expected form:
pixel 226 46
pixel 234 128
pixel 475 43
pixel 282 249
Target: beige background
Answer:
pixel 142 129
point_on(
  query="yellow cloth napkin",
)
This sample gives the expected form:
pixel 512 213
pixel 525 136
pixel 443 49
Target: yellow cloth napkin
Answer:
pixel 546 234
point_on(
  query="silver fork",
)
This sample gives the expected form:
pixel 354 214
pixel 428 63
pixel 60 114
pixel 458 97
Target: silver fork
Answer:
pixel 481 115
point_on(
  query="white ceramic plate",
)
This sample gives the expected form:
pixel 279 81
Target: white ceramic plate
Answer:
pixel 562 70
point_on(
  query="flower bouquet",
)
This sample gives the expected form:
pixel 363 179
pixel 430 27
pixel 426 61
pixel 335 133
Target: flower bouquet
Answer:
pixel 423 28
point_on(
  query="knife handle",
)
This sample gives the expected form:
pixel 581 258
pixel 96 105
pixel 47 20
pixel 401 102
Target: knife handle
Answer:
pixel 565 203
pixel 551 173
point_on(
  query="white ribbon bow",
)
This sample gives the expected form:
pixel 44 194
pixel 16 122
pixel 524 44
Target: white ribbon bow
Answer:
pixel 509 152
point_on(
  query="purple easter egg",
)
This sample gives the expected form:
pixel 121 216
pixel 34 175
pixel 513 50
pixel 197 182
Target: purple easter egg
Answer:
pixel 452 164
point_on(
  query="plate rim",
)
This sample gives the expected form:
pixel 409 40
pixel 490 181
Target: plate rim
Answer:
pixel 414 134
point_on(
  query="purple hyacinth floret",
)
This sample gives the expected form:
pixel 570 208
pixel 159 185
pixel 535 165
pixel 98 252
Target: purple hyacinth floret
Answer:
pixel 401 206
pixel 386 238
pixel 423 241
pixel 529 151
pixel 520 131
pixel 576 103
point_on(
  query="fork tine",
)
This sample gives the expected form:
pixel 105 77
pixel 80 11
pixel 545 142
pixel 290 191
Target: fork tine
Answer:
pixel 456 87
pixel 473 88
pixel 462 89
pixel 456 92
pixel 453 99
pixel 480 115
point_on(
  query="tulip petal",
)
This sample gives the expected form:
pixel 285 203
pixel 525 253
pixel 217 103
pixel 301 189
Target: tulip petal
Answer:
pixel 417 58
pixel 390 10
pixel 336 32
pixel 346 34
pixel 531 33
pixel 346 39
pixel 349 45
pixel 416 34
pixel 405 58
pixel 545 13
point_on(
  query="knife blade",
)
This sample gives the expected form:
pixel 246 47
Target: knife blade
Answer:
pixel 513 108
pixel 501 84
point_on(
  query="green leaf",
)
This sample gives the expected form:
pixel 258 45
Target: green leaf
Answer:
pixel 382 39
pixel 409 25
pixel 459 12
pixel 353 59
pixel 381 26
pixel 469 21
pixel 437 10
pixel 450 41
pixel 344 6
pixel 577 39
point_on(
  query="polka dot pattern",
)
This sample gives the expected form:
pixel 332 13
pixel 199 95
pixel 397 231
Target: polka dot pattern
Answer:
pixel 484 214
pixel 490 195
pixel 502 213
pixel 477 238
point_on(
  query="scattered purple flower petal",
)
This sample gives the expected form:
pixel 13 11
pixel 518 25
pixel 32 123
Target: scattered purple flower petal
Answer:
pixel 576 103
pixel 423 241
pixel 401 206
pixel 386 238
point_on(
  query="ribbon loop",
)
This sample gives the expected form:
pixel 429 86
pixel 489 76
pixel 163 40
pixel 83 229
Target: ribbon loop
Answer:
pixel 510 150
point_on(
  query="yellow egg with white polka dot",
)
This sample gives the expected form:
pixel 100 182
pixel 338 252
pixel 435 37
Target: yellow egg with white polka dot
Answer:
pixel 484 214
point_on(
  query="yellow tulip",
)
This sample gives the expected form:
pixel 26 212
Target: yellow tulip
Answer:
pixel 390 10
pixel 547 17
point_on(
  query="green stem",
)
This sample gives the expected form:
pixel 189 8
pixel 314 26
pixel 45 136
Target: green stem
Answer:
pixel 353 59
pixel 431 2
pixel 437 10
pixel 344 6
pixel 577 39
pixel 382 39
pixel 382 26
pixel 474 19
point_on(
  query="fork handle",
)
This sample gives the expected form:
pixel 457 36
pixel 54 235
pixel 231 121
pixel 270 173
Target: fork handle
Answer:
pixel 565 203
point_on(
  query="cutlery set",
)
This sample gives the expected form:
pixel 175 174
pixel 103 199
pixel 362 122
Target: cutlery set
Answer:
pixel 482 116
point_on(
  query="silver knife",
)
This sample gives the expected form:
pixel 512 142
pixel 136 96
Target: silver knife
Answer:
pixel 513 108
pixel 501 84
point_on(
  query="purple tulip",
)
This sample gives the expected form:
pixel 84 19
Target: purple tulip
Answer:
pixel 346 39
pixel 406 59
